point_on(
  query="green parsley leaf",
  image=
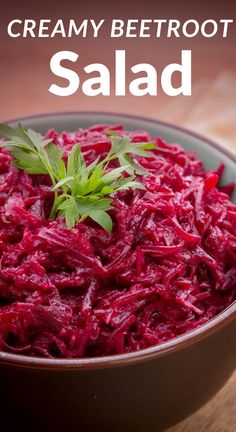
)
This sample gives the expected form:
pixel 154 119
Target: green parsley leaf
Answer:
pixel 80 191
pixel 29 162
pixel 102 218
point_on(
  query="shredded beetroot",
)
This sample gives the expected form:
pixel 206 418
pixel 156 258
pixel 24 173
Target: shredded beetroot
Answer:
pixel 168 266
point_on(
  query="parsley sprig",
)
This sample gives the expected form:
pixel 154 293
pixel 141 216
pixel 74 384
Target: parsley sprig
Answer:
pixel 80 190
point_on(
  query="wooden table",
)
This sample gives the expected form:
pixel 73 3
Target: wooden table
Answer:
pixel 218 415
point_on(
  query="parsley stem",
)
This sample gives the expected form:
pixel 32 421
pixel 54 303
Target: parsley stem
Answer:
pixel 53 211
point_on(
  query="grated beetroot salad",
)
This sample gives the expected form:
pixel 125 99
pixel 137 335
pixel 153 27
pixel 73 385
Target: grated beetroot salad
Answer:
pixel 168 266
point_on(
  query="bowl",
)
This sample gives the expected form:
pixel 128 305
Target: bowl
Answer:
pixel 144 391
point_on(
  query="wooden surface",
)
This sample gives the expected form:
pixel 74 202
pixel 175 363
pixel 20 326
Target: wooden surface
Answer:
pixel 203 113
pixel 218 415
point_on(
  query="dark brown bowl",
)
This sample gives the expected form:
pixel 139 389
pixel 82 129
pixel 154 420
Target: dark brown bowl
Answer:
pixel 143 391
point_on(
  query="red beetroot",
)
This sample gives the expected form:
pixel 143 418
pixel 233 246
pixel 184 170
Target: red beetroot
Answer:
pixel 168 266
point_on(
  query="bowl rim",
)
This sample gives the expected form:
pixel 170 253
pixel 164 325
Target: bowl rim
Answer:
pixel 200 333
